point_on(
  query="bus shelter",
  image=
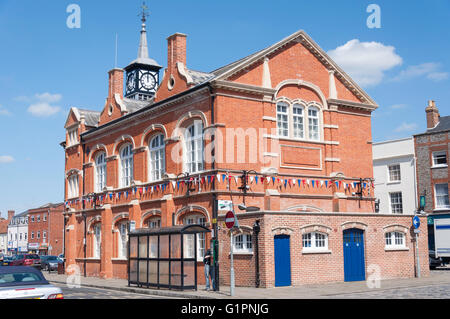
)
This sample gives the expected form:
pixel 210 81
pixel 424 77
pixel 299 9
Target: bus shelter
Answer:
pixel 164 257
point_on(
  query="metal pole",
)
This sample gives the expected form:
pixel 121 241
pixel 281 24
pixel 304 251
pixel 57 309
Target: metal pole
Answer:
pixel 231 265
pixel 417 254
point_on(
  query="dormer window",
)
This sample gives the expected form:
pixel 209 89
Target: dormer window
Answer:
pixel 72 135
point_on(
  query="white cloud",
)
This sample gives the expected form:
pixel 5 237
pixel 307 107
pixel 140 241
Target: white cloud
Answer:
pixel 6 159
pixel 43 109
pixel 406 127
pixel 366 62
pixel 42 104
pixel 430 70
pixel 4 111
pixel 398 106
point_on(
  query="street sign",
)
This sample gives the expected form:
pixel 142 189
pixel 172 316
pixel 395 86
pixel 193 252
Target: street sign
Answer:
pixel 225 204
pixel 230 220
pixel 416 222
pixel 416 231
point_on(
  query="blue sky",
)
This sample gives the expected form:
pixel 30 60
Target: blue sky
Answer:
pixel 46 67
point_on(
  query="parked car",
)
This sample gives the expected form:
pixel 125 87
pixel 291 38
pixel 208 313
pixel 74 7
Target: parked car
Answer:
pixel 50 262
pixel 26 260
pixel 7 260
pixel 434 261
pixel 21 282
pixel 61 257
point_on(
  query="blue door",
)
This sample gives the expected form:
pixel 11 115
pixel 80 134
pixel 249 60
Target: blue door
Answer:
pixel 354 265
pixel 282 261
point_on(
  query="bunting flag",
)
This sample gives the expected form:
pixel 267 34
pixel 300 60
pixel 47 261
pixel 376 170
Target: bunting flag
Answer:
pixel 251 179
pixel 256 179
pixel 273 180
pixel 285 183
pixel 312 183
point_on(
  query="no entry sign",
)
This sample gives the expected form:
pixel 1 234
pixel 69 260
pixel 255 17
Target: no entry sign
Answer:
pixel 230 219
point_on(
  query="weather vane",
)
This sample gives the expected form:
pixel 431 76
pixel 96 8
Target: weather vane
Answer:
pixel 144 12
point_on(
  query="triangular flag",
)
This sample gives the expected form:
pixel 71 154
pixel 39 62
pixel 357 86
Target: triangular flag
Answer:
pixel 256 179
pixel 312 182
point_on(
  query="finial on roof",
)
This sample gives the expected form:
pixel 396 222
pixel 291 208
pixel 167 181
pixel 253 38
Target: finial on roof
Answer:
pixel 143 48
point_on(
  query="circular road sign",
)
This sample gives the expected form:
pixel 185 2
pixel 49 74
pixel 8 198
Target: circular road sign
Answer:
pixel 230 219
pixel 416 222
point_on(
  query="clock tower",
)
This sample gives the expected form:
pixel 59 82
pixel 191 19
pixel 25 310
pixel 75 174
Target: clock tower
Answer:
pixel 142 74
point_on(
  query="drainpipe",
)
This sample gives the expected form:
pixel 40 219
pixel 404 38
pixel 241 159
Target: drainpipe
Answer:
pixel 215 248
pixel 256 230
pixel 83 205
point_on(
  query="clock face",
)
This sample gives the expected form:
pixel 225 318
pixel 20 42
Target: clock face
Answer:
pixel 148 81
pixel 131 81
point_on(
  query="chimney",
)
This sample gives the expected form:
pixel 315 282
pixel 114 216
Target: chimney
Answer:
pixel 432 115
pixel 176 51
pixel 10 214
pixel 115 83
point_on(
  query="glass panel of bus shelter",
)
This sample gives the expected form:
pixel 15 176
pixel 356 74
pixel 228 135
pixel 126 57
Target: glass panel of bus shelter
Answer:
pixel 164 272
pixel 133 247
pixel 133 270
pixel 143 249
pixel 189 273
pixel 175 246
pixel 175 273
pixel 189 246
pixel 153 272
pixel 153 243
pixel 164 246
pixel 143 271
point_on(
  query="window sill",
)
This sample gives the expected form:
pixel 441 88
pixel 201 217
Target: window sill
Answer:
pixel 242 253
pixel 441 209
pixel 439 166
pixel 119 259
pixel 396 248
pixel 315 251
pixel 393 182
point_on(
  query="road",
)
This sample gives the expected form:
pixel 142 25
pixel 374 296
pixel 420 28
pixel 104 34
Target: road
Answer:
pixel 97 293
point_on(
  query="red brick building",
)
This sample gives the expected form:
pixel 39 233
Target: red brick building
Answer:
pixel 46 229
pixel 288 115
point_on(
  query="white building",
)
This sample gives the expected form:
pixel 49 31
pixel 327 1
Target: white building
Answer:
pixel 394 168
pixel 18 233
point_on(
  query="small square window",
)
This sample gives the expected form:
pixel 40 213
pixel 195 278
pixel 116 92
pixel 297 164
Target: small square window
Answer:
pixel 440 159
pixel 394 173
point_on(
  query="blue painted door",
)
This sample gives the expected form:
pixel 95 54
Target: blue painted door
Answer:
pixel 282 261
pixel 354 265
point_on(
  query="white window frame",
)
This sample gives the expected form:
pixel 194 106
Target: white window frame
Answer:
pixel 438 195
pixel 298 129
pixel 198 219
pixel 126 165
pixel 392 203
pixel 315 239
pixel 100 172
pixel 73 187
pixel 395 171
pixel 439 155
pixel 394 240
pixel 157 158
pixel 243 243
pixel 72 136
pixel 194 148
pixel 32 235
pixel 97 240
pixel 287 118
pixel 154 222
pixel 123 239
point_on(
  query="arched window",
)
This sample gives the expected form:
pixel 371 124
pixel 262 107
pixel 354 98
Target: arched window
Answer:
pixel 315 241
pixel 201 238
pixel 157 158
pixel 126 165
pixel 100 172
pixel 73 188
pixel 194 147
pixel 154 222
pixel 283 119
pixel 313 123
pixel 242 243
pixel 97 240
pixel 394 240
pixel 298 121
pixel 123 239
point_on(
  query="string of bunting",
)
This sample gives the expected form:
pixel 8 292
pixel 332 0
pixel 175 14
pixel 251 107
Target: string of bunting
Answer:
pixel 220 178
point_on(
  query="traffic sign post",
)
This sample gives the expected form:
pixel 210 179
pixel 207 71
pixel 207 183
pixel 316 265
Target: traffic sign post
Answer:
pixel 231 222
pixel 416 224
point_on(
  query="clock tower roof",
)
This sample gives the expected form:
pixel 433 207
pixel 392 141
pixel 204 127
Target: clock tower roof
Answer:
pixel 143 57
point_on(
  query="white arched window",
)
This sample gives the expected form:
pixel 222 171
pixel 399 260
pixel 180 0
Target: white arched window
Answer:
pixel 315 241
pixel 189 244
pixel 157 158
pixel 97 242
pixel 298 121
pixel 194 147
pixel 126 165
pixel 123 239
pixel 100 172
pixel 73 188
pixel 154 222
pixel 313 123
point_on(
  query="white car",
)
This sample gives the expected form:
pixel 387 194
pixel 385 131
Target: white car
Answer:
pixel 24 282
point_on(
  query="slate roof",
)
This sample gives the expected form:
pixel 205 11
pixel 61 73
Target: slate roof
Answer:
pixel 443 125
pixel 135 105
pixel 91 117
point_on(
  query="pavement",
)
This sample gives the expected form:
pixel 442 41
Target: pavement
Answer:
pixel 437 278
